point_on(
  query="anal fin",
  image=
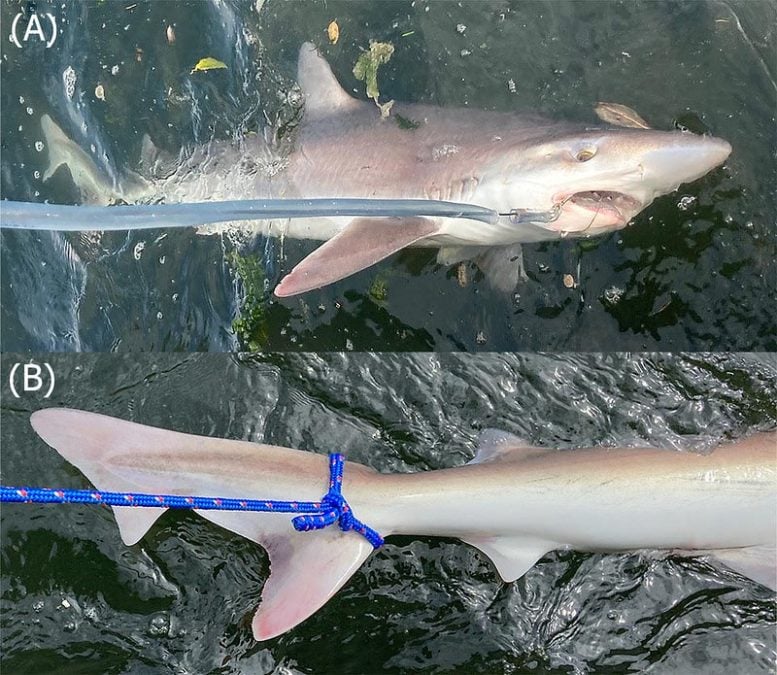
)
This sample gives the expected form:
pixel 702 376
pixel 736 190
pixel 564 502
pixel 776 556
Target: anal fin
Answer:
pixel 362 243
pixel 512 556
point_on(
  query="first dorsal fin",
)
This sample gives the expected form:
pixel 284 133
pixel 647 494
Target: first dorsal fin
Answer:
pixel 497 445
pixel 323 94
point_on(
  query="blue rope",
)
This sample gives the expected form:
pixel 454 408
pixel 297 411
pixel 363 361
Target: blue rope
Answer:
pixel 333 508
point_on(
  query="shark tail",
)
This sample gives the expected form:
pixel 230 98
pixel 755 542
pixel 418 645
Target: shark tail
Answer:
pixel 93 183
pixel 306 568
pixel 94 186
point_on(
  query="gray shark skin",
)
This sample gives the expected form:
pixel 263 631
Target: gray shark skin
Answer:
pixel 596 179
pixel 513 502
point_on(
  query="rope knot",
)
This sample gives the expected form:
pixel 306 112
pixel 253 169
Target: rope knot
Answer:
pixel 335 509
pixel 333 501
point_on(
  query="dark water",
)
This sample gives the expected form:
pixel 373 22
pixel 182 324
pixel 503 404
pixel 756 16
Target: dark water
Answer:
pixel 695 271
pixel 75 599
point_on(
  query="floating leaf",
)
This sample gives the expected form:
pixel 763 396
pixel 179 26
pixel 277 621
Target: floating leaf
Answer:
pixel 333 32
pixel 366 68
pixel 209 63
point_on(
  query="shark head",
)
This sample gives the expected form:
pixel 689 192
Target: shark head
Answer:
pixel 601 179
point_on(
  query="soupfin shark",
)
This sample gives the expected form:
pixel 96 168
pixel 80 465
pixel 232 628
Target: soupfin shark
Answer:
pixel 598 179
pixel 513 502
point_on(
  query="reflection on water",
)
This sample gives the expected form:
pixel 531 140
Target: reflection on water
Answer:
pixel 694 271
pixel 182 599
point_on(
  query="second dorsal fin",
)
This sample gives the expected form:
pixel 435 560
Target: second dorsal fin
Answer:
pixel 497 445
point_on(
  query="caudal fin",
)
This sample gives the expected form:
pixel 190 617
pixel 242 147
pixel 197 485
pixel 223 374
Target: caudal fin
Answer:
pixel 306 568
pixel 91 181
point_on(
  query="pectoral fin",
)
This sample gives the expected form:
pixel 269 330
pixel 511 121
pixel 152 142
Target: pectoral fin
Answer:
pixel 363 242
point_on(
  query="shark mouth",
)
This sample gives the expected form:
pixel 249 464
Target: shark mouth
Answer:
pixel 595 200
pixel 604 207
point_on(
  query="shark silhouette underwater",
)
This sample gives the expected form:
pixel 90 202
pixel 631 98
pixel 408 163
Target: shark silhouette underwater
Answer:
pixel 513 502
pixel 593 179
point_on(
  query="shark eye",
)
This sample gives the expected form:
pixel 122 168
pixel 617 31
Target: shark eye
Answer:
pixel 585 154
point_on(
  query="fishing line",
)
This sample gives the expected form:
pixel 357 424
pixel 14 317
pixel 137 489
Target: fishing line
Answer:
pixel 69 218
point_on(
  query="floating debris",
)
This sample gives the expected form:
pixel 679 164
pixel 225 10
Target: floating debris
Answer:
pixel 569 281
pixel 99 92
pixel 366 70
pixel 612 296
pixel 69 79
pixel 250 325
pixel 686 202
pixel 406 122
pixel 461 274
pixel 333 32
pixel 170 33
pixel 378 290
pixel 208 63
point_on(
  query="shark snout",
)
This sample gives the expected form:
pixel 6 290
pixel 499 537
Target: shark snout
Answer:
pixel 683 157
